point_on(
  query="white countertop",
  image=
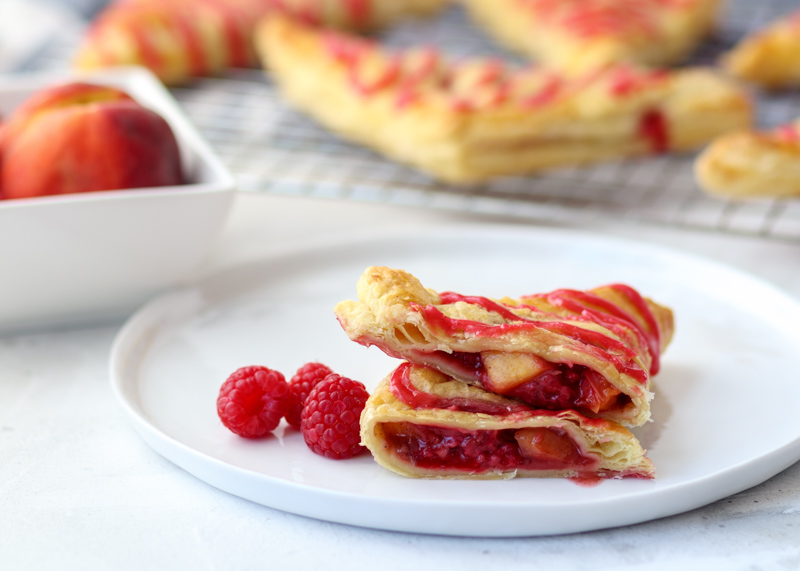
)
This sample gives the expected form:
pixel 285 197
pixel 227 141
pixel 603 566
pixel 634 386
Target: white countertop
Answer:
pixel 80 490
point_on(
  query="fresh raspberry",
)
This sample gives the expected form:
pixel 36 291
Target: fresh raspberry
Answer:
pixel 300 385
pixel 252 401
pixel 330 418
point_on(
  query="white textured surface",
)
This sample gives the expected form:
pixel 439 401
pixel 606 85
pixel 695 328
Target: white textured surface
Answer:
pixel 80 490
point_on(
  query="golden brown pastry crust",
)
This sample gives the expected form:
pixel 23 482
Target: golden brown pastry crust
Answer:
pixel 752 164
pixel 769 57
pixel 611 331
pixel 477 120
pixel 611 450
pixel 577 35
pixel 180 39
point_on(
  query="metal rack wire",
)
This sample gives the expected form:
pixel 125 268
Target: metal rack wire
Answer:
pixel 272 148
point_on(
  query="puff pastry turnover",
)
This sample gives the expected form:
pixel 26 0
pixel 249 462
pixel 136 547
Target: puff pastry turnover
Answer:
pixel 592 351
pixel 752 164
pixel 478 119
pixel 769 57
pixel 423 424
pixel 180 39
pixel 577 35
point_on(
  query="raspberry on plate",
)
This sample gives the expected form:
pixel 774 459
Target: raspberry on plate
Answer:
pixel 330 418
pixel 252 401
pixel 300 386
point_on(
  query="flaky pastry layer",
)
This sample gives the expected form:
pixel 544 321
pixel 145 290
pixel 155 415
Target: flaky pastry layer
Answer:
pixel 590 350
pixel 580 35
pixel 752 164
pixel 181 39
pixel 479 119
pixel 511 441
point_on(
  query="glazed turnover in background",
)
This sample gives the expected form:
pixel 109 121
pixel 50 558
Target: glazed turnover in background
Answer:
pixel 752 164
pixel 535 386
pixel 477 119
pixel 579 35
pixel 180 39
pixel 769 57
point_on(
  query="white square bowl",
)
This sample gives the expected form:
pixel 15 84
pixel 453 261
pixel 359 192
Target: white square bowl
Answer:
pixel 99 255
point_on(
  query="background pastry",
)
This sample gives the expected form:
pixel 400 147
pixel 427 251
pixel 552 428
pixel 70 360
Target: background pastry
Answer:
pixel 769 57
pixel 580 35
pixel 179 39
pixel 473 120
pixel 752 164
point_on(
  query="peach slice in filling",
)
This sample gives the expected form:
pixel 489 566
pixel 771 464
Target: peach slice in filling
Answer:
pixel 534 381
pixel 436 447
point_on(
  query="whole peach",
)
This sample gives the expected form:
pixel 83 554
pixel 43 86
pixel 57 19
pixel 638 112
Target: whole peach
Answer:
pixel 81 137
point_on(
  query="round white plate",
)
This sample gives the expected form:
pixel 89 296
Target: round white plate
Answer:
pixel 725 412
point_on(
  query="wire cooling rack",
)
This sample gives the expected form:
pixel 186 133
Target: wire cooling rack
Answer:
pixel 272 148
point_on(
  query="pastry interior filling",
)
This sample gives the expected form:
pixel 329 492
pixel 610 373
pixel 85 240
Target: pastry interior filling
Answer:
pixel 534 381
pixel 530 379
pixel 404 389
pixel 436 447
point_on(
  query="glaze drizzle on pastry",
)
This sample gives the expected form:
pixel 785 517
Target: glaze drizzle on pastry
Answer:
pixel 591 18
pixel 473 84
pixel 592 351
pixel 180 39
pixel 581 35
pixel 489 84
pixel 472 120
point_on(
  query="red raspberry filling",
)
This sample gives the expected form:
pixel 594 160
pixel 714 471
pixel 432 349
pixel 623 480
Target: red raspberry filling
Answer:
pixel 484 450
pixel 330 420
pixel 437 447
pixel 252 401
pixel 305 379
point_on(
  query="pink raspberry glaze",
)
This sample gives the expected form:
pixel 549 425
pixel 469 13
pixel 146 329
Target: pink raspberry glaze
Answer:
pixel 237 41
pixel 359 12
pixel 546 94
pixel 150 56
pixel 354 53
pixel 233 21
pixel 367 86
pixel 612 316
pixel 597 18
pixel 475 85
pixel 592 342
pixel 626 80
pixel 788 133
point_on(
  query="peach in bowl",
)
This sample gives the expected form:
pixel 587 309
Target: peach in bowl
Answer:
pixel 108 195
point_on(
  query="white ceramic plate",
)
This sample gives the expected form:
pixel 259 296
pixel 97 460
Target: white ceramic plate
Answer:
pixel 725 407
